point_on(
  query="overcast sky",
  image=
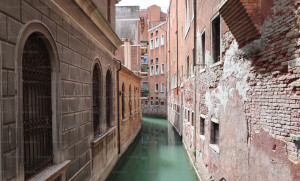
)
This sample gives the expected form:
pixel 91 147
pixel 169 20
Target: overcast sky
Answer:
pixel 164 4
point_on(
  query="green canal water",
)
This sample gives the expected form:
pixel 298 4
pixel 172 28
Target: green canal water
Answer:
pixel 156 155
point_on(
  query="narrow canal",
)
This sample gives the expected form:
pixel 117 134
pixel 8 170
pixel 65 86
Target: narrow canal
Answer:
pixel 157 155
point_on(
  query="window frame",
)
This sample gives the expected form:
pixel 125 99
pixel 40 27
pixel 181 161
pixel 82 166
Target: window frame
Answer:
pixel 156 87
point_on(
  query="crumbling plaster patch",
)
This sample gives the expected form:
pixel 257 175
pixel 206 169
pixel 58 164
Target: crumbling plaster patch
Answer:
pixel 234 77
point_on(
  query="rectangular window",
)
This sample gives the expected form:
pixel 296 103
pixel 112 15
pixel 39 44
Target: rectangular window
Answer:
pixel 151 44
pixel 216 46
pixel 156 103
pixel 156 60
pixel 188 116
pixel 192 119
pixel 162 103
pixel 187 67
pixel 151 70
pixel 202 126
pixel 146 102
pixel 151 102
pixel 187 15
pixel 162 68
pixel 156 69
pixel 162 41
pixel 156 42
pixel 214 133
pixel 162 87
pixel 145 86
pixel 156 87
pixel 203 64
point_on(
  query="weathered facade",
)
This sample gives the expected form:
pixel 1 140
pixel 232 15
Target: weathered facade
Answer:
pixel 239 115
pixel 130 112
pixel 58 89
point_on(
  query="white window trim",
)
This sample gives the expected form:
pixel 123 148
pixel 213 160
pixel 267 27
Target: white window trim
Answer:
pixel 162 40
pixel 157 69
pixel 156 41
pixel 151 68
pixel 151 44
pixel 162 87
pixel 162 71
pixel 203 67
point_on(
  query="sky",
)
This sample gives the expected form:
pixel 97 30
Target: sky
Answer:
pixel 164 4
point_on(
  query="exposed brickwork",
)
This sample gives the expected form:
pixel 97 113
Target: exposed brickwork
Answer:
pixel 252 93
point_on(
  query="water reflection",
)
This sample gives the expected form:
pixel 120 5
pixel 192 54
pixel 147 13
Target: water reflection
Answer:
pixel 157 155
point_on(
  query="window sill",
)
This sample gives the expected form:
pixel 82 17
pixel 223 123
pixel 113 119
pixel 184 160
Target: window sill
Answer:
pixel 53 172
pixel 215 64
pixel 215 148
pixel 215 120
pixel 98 139
pixel 202 137
pixel 124 120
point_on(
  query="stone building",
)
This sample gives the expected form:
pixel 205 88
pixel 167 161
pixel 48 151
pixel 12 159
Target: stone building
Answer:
pixel 239 115
pixel 58 89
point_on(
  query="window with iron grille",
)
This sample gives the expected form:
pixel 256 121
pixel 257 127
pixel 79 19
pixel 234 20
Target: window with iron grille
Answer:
pixel 96 98
pixel 130 103
pixel 37 106
pixel 123 101
pixel 108 99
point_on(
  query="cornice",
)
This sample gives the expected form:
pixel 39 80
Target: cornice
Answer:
pixel 91 10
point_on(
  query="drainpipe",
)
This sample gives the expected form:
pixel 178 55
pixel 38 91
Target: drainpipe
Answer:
pixel 195 71
pixel 118 104
pixel 177 44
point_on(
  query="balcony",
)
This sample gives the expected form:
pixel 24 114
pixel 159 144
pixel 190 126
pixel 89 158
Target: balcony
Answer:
pixel 144 94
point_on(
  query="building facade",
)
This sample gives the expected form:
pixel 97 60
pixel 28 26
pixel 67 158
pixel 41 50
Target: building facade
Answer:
pixel 59 90
pixel 237 104
pixel 153 31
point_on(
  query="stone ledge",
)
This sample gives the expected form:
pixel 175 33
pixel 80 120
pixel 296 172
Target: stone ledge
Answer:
pixel 215 148
pixel 202 137
pixel 98 139
pixel 52 172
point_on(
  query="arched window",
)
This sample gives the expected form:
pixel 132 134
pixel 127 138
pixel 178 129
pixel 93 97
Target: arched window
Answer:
pixel 37 105
pixel 96 98
pixel 109 93
pixel 130 104
pixel 134 97
pixel 123 101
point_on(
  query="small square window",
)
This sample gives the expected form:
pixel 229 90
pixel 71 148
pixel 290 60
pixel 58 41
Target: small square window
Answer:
pixel 162 103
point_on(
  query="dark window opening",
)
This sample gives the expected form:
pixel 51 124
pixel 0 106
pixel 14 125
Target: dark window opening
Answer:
pixel 216 30
pixel 203 51
pixel 96 98
pixel 187 67
pixel 123 101
pixel 215 133
pixel 37 106
pixel 108 99
pixel 130 103
pixel 202 126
